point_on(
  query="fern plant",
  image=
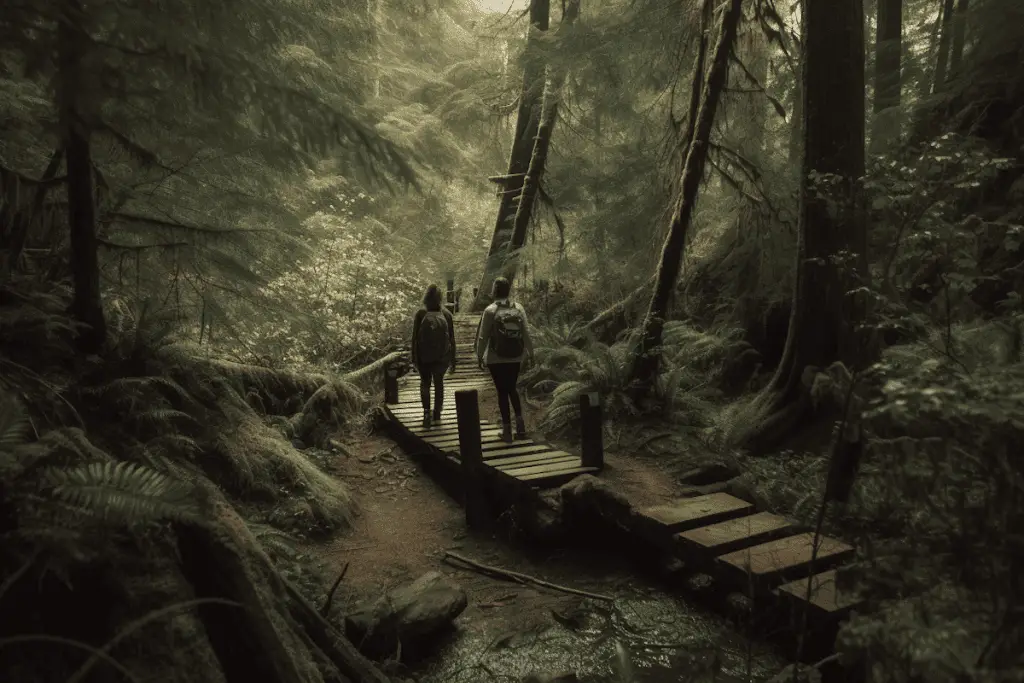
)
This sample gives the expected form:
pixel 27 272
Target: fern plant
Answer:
pixel 118 492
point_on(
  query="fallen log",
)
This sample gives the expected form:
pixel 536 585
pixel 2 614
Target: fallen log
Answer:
pixel 609 322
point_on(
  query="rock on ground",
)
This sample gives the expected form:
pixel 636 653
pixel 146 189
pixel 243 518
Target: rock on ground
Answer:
pixel 413 615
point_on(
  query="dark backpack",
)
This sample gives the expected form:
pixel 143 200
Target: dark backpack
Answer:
pixel 433 344
pixel 507 331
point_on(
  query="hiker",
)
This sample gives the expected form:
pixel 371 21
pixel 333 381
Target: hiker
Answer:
pixel 433 351
pixel 503 339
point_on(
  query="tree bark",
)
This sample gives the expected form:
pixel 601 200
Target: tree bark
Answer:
pixel 646 356
pixel 959 36
pixel 539 157
pixel 945 38
pixel 885 124
pixel 86 303
pixel 527 124
pixel 832 256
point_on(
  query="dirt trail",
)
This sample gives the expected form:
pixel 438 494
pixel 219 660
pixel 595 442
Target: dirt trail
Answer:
pixel 407 522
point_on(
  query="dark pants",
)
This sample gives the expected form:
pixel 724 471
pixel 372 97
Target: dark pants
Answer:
pixel 435 372
pixel 505 376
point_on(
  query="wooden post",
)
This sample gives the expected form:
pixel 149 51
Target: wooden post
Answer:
pixel 467 412
pixel 391 385
pixel 591 437
pixel 449 297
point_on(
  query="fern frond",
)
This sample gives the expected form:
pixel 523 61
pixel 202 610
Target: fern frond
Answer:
pixel 14 423
pixel 123 492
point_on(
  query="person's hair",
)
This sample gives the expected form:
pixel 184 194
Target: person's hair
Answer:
pixel 432 298
pixel 501 288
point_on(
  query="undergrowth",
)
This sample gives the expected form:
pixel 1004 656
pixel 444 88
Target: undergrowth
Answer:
pixel 570 363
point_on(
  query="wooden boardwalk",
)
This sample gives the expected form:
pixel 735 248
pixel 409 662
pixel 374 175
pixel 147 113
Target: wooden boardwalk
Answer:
pixel 536 464
pixel 762 555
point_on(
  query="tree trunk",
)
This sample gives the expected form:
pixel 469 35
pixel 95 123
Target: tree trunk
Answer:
pixel 539 157
pixel 646 354
pixel 86 304
pixel 527 124
pixel 959 36
pixel 945 37
pixel 832 256
pixel 885 125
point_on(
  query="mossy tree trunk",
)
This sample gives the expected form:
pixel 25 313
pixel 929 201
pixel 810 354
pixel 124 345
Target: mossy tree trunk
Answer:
pixel 86 304
pixel 646 354
pixel 885 123
pixel 832 258
pixel 945 38
pixel 527 123
pixel 539 156
pixel 959 36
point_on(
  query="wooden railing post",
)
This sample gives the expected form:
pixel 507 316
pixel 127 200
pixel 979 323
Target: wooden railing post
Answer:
pixel 467 412
pixel 391 384
pixel 591 431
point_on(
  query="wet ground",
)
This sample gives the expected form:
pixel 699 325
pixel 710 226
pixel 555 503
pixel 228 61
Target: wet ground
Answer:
pixel 650 638
pixel 511 630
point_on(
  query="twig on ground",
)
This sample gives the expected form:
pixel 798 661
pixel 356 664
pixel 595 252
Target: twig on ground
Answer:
pixel 521 578
pixel 325 610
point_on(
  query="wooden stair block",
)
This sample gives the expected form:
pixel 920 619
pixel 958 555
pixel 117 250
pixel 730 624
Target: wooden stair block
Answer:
pixel 690 513
pixel 827 601
pixel 785 558
pixel 734 534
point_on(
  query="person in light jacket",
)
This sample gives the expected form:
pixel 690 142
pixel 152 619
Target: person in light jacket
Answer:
pixel 503 342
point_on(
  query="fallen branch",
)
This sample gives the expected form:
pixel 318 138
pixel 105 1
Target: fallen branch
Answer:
pixel 521 578
pixel 342 653
pixel 326 609
pixel 377 365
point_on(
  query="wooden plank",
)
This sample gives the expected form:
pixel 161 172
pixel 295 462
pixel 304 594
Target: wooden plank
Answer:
pixel 553 462
pixel 690 513
pixel 452 440
pixel 529 458
pixel 501 445
pixel 444 428
pixel 826 598
pixel 512 450
pixel 734 534
pixel 784 558
pixel 551 479
pixel 525 470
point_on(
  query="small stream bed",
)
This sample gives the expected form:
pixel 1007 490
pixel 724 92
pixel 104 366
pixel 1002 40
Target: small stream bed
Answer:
pixel 662 638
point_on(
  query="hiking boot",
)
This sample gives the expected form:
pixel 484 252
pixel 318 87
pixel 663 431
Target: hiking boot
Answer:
pixel 437 417
pixel 520 428
pixel 426 419
pixel 506 432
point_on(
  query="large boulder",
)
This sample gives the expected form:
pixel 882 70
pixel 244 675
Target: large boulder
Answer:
pixel 414 615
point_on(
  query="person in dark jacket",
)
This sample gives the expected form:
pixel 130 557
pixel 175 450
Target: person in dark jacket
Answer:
pixel 433 351
pixel 503 342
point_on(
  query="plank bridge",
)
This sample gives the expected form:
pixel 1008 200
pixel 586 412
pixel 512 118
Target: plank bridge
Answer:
pixel 765 556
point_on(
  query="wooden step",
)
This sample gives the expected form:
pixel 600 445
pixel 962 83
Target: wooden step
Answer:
pixel 535 458
pixel 777 561
pixel 690 513
pixel 827 601
pixel 733 534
